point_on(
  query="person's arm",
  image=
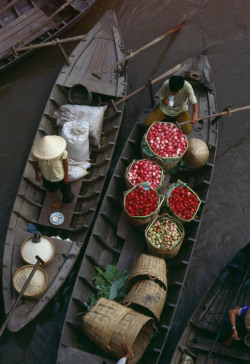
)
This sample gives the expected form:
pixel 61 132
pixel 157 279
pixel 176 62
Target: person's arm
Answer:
pixel 66 170
pixel 233 313
pixel 122 360
pixel 36 169
pixel 195 113
pixel 128 354
pixel 163 93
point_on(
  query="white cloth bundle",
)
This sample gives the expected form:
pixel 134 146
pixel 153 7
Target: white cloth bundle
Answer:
pixel 77 169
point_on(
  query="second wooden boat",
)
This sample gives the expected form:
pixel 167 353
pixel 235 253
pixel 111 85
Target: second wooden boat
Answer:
pixel 28 23
pixel 203 337
pixel 115 241
pixel 100 47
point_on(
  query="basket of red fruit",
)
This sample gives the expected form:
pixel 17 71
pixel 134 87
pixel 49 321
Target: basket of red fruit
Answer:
pixel 142 204
pixel 181 201
pixel 164 143
pixel 144 170
pixel 164 236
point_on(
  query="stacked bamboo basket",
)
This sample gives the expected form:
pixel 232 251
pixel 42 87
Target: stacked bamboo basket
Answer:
pixel 110 324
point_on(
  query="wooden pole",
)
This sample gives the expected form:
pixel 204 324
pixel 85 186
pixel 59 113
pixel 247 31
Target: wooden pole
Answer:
pixel 39 260
pixel 46 21
pixel 51 43
pixel 174 29
pixel 8 6
pixel 164 75
pixel 228 112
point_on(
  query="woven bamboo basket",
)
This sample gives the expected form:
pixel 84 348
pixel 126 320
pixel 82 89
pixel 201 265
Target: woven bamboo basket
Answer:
pixel 247 320
pixel 142 221
pixel 247 340
pixel 147 297
pixel 166 204
pixel 130 185
pixel 165 252
pixel 147 153
pixel 37 285
pixel 110 324
pixel 148 267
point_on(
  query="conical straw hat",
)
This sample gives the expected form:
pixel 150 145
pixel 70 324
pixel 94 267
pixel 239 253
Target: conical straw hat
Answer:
pixel 49 147
pixel 247 320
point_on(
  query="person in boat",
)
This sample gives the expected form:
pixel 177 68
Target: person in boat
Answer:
pixel 238 322
pixel 174 95
pixel 128 354
pixel 49 158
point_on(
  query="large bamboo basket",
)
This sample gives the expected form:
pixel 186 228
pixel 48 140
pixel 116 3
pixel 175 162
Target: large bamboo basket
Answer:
pixel 147 297
pixel 31 258
pixel 147 153
pixel 142 221
pixel 130 185
pixel 165 252
pixel 37 285
pixel 148 267
pixel 110 324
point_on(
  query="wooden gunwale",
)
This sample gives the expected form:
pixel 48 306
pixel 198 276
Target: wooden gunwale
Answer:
pixel 115 241
pixel 30 197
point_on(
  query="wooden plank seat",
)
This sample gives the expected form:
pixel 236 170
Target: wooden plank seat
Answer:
pixel 21 27
pixel 67 210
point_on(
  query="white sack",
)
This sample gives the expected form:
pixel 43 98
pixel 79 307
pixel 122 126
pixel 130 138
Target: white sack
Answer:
pixel 92 114
pixel 76 135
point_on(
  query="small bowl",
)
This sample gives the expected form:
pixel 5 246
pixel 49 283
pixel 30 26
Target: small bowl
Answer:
pixel 57 218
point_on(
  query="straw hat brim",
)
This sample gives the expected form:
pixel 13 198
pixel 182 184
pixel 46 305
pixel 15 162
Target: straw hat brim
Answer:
pixel 247 320
pixel 49 147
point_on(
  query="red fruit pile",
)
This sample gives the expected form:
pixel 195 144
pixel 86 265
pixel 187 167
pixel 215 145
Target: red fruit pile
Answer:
pixel 140 202
pixel 183 202
pixel 145 171
pixel 166 140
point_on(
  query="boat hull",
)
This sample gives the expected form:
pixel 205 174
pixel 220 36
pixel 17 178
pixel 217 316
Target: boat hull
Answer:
pixel 115 241
pixel 71 236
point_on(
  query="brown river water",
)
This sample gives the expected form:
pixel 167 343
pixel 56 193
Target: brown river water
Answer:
pixel 220 29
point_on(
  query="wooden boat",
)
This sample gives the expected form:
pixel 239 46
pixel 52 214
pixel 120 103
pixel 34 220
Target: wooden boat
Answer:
pixel 32 205
pixel 115 241
pixel 203 336
pixel 30 23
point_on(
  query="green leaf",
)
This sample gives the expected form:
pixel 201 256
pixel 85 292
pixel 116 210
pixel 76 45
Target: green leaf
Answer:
pixel 121 282
pixel 111 271
pixel 113 292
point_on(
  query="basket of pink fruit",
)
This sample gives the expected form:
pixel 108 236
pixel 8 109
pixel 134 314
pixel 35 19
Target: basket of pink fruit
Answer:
pixel 164 143
pixel 144 170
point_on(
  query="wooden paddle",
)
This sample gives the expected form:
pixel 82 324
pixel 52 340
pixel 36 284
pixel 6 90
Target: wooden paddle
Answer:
pixel 39 260
pixel 164 75
pixel 156 40
pixel 228 112
pixel 52 43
